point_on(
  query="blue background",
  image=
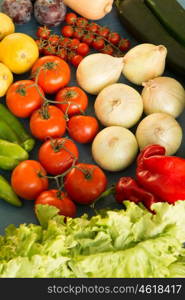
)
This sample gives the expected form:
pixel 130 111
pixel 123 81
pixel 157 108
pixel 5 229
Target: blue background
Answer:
pixel 25 214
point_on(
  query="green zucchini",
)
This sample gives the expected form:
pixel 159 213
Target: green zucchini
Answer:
pixel 172 15
pixel 145 27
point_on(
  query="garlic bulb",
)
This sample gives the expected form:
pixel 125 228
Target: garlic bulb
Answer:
pixel 118 104
pixel 163 94
pixel 162 129
pixel 114 148
pixel 144 62
pixel 97 71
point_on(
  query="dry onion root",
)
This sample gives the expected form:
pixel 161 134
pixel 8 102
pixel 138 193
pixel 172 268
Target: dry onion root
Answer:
pixel 114 148
pixel 120 105
pixel 162 129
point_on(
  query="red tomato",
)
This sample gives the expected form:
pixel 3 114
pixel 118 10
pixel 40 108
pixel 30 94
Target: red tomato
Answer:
pixel 70 18
pixel 93 27
pixel 108 50
pixel 85 183
pixel 67 31
pixel 75 95
pixel 114 38
pixel 81 22
pixel 83 129
pixel 83 49
pixel 26 179
pixel 23 98
pixel 64 42
pixel 53 39
pixel 49 123
pixel 43 33
pixel 54 73
pixel 88 38
pixel 58 155
pixel 78 33
pixel 98 44
pixel 74 43
pixel 62 53
pixel 124 44
pixel 104 31
pixel 58 199
pixel 76 60
pixel 49 50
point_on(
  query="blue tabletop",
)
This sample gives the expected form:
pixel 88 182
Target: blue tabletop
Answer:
pixel 25 214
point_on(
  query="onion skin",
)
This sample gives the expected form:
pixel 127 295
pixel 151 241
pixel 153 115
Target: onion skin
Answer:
pixel 163 94
pixel 161 129
pixel 119 105
pixel 114 148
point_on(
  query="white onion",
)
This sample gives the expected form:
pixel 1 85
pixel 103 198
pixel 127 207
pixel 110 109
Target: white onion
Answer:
pixel 114 148
pixel 97 71
pixel 162 129
pixel 163 94
pixel 144 62
pixel 120 105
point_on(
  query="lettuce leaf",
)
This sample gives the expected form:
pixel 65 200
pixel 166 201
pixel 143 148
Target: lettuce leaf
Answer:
pixel 130 242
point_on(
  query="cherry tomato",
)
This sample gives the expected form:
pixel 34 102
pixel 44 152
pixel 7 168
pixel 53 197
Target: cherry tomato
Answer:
pixel 74 43
pixel 67 31
pixel 27 180
pixel 83 49
pixel 85 183
pixel 83 129
pixel 64 42
pixel 58 199
pixel 93 27
pixel 62 53
pixel 43 32
pixel 58 155
pixel 98 44
pixel 41 44
pixel 23 98
pixel 81 22
pixel 71 18
pixel 88 38
pixel 78 33
pixel 124 44
pixel 75 95
pixel 53 39
pixel 104 31
pixel 114 38
pixel 76 60
pixel 54 73
pixel 108 50
pixel 49 50
pixel 48 122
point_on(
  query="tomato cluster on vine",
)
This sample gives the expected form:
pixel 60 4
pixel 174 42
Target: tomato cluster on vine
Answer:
pixel 78 36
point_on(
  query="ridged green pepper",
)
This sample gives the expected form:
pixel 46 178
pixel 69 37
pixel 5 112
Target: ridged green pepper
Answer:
pixel 26 141
pixel 11 154
pixel 7 193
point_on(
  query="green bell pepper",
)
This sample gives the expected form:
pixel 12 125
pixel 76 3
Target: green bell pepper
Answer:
pixel 7 193
pixel 11 154
pixel 26 141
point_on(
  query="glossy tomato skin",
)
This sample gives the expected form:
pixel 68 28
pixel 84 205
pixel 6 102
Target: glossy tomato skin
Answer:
pixel 83 129
pixel 56 158
pixel 85 183
pixel 65 205
pixel 54 126
pixel 55 75
pixel 75 95
pixel 26 179
pixel 22 98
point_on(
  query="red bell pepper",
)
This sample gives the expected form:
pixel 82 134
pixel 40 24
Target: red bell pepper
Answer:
pixel 128 189
pixel 163 176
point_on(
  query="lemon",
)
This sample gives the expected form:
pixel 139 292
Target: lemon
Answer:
pixel 7 26
pixel 6 79
pixel 18 51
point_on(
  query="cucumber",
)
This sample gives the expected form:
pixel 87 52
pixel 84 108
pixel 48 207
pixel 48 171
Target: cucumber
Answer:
pixel 145 27
pixel 172 15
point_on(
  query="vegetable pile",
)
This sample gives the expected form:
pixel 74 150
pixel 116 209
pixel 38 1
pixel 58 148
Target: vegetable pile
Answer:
pixel 145 238
pixel 130 242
